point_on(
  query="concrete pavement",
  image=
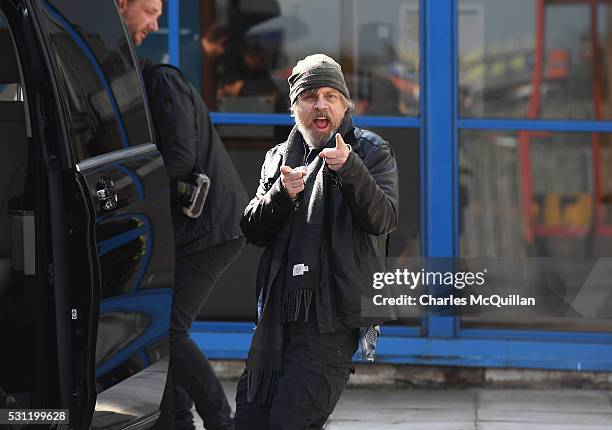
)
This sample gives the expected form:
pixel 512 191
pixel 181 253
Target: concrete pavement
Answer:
pixel 390 408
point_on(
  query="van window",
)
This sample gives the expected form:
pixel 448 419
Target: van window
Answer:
pixel 9 90
pixel 14 149
pixel 16 214
pixel 98 76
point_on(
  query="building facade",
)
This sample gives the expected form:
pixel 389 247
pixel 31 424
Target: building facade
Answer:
pixel 500 117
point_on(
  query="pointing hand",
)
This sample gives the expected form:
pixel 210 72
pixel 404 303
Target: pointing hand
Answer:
pixel 292 180
pixel 336 157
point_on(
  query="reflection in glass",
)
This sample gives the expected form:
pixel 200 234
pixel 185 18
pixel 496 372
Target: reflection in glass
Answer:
pixel 97 73
pixel 243 57
pixel 535 59
pixel 117 330
pixel 538 195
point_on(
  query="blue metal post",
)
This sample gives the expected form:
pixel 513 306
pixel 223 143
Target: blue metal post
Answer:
pixel 174 32
pixel 439 171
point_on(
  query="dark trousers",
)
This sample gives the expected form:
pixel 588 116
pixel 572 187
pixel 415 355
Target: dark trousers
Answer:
pixel 193 376
pixel 316 368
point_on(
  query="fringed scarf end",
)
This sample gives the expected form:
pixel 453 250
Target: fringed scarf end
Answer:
pixel 293 302
pixel 261 385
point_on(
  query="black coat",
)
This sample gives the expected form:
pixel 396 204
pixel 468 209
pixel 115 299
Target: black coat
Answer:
pixel 361 210
pixel 183 126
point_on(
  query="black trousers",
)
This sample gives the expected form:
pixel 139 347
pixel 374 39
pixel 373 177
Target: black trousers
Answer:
pixel 192 374
pixel 316 368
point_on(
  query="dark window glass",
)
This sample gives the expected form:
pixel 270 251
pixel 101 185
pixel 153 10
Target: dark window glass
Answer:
pixel 9 91
pixel 511 66
pixel 539 205
pixel 241 53
pixel 247 146
pixel 98 75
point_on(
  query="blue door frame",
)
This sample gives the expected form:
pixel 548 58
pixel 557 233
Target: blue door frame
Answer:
pixel 440 340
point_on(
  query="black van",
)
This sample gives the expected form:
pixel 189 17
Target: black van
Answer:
pixel 86 240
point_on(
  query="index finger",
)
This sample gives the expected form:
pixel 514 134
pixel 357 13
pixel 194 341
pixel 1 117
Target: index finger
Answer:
pixel 329 153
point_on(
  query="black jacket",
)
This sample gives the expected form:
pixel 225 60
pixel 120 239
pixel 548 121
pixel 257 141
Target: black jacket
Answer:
pixel 183 127
pixel 361 210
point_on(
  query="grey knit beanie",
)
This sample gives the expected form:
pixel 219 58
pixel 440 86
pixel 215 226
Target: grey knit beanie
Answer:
pixel 316 71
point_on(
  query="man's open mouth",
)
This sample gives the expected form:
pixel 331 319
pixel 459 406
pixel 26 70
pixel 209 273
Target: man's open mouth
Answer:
pixel 321 123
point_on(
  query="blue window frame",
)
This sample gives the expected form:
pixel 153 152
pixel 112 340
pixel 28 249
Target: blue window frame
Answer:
pixel 516 348
pixel 440 340
pixel 174 27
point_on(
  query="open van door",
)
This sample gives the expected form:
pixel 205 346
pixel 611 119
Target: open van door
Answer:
pixel 110 243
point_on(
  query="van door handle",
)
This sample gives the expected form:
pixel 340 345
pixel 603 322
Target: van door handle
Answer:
pixel 106 193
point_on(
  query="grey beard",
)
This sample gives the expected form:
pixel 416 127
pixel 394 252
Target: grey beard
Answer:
pixel 312 138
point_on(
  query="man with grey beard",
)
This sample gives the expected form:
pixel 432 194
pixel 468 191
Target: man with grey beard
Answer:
pixel 326 202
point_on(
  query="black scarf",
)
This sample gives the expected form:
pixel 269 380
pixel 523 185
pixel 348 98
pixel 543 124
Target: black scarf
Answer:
pixel 299 268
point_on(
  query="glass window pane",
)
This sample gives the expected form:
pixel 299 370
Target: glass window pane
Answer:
pixel 10 88
pixel 540 204
pixel 247 146
pixel 557 66
pixel 241 53
pixel 98 75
